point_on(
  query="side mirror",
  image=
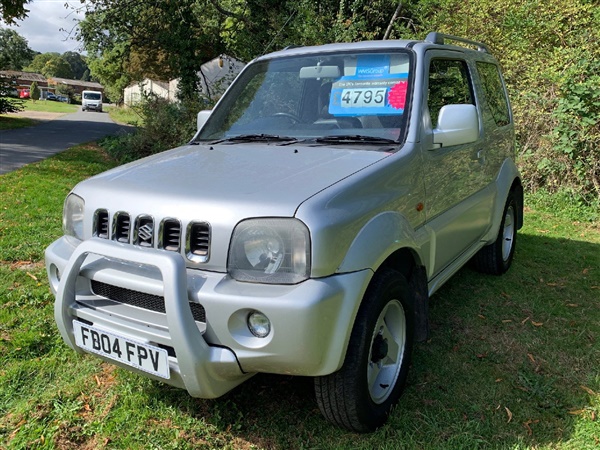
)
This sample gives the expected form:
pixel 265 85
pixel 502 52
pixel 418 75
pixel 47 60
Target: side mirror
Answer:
pixel 203 117
pixel 457 124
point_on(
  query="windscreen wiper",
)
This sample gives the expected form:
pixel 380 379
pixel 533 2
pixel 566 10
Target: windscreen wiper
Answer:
pixel 256 138
pixel 354 139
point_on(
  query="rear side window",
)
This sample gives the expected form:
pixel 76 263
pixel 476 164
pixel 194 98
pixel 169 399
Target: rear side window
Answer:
pixel 449 84
pixel 493 90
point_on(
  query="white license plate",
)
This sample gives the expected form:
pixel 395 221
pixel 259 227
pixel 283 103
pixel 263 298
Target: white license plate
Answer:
pixel 142 356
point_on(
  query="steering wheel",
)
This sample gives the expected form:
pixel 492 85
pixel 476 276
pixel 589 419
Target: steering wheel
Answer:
pixel 290 116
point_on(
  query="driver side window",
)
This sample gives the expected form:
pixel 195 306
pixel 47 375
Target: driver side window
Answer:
pixel 449 84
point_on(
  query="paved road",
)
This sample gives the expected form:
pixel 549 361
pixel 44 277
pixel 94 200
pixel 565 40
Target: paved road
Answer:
pixel 26 145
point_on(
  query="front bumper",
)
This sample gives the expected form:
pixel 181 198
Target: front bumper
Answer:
pixel 94 106
pixel 310 322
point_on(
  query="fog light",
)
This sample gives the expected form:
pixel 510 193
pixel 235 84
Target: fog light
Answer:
pixel 258 324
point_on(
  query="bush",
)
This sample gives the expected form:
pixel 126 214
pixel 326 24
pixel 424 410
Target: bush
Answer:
pixel 34 91
pixel 165 125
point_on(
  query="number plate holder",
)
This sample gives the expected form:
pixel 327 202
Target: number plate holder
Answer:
pixel 149 358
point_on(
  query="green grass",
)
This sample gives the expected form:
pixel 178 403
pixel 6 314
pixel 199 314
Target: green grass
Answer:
pixel 124 115
pixel 512 361
pixel 11 123
pixel 49 106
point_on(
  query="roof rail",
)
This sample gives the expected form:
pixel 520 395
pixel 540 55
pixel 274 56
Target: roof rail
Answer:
pixel 289 47
pixel 439 38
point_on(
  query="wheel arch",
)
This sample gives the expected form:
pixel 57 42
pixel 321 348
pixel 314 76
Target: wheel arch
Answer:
pixel 508 180
pixel 388 241
pixel 407 262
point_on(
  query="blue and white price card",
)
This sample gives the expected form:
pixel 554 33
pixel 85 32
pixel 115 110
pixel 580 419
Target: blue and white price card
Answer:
pixel 371 90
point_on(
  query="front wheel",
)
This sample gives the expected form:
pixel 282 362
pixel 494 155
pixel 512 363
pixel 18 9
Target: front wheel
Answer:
pixel 360 396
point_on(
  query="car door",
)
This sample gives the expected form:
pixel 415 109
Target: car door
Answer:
pixel 455 206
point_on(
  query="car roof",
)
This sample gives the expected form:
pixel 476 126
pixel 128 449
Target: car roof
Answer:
pixel 433 40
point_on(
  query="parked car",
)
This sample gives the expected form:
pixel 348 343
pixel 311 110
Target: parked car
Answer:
pixel 9 92
pixel 24 93
pixel 51 96
pixel 328 195
pixel 62 98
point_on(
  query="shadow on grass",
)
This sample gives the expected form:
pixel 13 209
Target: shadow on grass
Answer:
pixel 511 361
pixel 11 123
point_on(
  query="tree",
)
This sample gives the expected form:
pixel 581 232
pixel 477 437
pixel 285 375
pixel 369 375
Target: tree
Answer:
pixel 168 39
pixel 14 50
pixel 77 63
pixel 50 65
pixel 13 9
pixel 34 91
pixel 57 67
pixel 40 60
pixel 66 90
pixel 8 105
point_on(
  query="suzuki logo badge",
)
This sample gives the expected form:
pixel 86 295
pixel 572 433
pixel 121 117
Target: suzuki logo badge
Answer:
pixel 145 232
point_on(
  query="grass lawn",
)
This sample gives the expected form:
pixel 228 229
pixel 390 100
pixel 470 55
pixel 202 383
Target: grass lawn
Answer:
pixel 512 362
pixel 49 106
pixel 124 115
pixel 12 122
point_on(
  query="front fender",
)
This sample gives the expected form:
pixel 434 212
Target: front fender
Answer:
pixel 380 237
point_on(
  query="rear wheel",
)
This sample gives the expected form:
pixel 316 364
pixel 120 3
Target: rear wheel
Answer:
pixel 497 257
pixel 360 396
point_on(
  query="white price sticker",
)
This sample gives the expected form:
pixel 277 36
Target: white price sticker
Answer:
pixel 363 97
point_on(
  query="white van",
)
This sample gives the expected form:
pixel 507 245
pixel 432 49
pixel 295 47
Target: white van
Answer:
pixel 91 100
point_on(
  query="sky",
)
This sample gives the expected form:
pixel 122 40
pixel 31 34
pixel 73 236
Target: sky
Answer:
pixel 42 27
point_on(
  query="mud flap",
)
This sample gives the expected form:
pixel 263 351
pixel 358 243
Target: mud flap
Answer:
pixel 418 286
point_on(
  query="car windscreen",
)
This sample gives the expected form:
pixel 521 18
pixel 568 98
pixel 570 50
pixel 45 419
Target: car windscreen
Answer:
pixel 317 96
pixel 92 96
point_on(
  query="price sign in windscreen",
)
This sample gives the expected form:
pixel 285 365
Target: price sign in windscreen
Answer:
pixel 374 87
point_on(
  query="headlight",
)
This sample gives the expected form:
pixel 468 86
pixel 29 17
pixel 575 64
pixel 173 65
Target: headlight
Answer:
pixel 275 251
pixel 73 216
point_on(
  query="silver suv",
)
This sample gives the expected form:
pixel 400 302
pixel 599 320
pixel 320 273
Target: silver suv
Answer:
pixel 328 195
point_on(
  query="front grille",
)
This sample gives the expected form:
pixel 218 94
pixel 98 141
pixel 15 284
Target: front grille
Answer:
pixel 169 234
pixel 142 300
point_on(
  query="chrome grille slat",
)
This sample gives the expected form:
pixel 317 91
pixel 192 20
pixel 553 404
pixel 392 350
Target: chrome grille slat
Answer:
pixel 101 224
pixel 199 239
pixel 171 235
pixel 121 227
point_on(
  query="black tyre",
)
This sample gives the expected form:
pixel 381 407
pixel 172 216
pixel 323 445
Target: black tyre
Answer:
pixel 497 257
pixel 360 396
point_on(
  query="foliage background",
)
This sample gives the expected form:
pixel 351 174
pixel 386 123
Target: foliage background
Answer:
pixel 549 50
